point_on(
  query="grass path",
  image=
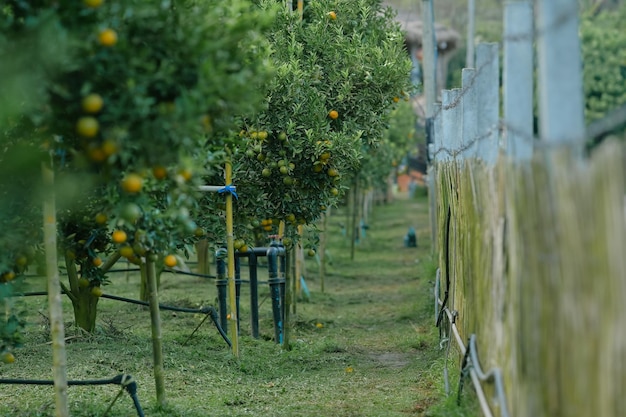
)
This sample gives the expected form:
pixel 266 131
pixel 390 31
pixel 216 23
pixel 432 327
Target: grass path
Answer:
pixel 365 347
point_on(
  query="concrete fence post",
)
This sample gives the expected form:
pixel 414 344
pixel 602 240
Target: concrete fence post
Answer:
pixel 470 114
pixel 452 122
pixel 561 104
pixel 518 79
pixel 487 83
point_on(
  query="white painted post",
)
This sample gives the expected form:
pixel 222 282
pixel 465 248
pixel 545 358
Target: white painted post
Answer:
pixel 561 104
pixel 488 101
pixel 471 24
pixel 518 79
pixel 452 122
pixel 470 113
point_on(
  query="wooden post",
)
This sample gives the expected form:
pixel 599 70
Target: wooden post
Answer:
pixel 561 103
pixel 518 79
pixel 55 306
pixel 488 101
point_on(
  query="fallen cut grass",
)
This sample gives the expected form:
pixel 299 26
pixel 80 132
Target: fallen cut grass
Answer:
pixel 365 347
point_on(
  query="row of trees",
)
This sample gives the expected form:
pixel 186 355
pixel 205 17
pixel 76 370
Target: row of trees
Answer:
pixel 133 104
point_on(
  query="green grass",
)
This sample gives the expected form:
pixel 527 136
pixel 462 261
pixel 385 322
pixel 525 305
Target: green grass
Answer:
pixel 365 347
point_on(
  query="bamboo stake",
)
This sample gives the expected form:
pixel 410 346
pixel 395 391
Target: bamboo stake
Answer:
pixel 157 336
pixel 55 309
pixel 322 249
pixel 232 294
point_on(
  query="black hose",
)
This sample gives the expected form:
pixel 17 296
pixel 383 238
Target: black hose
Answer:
pixel 126 381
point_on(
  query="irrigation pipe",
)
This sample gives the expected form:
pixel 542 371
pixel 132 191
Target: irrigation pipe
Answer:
pixel 127 383
pixel 209 311
pixel 470 354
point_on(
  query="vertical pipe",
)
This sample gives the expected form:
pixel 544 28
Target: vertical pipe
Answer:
pixel 254 294
pixel 488 101
pixel 232 297
pixel 222 283
pixel 561 104
pixel 518 79
pixel 282 276
pixel 273 281
pixel 470 113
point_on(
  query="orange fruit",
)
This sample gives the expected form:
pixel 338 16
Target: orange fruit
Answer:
pixel 127 251
pixel 93 3
pixel 97 292
pixel 332 172
pixel 325 156
pixel 96 261
pixel 119 236
pixel 159 172
pixel 170 261
pixel 108 37
pixel 87 127
pixel 7 357
pixel 262 135
pixel 83 282
pixel 332 15
pixel 396 99
pixel 311 252
pixel 185 173
pixel 243 248
pixel 333 114
pixel 132 183
pixel 109 147
pixel 92 103
pixel 333 191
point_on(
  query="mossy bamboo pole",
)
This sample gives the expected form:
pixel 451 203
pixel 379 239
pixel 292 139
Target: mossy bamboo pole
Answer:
pixel 353 220
pixel 232 289
pixel 322 249
pixel 55 308
pixel 157 336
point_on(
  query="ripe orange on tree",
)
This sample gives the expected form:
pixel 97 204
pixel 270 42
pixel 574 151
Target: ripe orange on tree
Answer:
pixel 96 261
pixel 170 261
pixel 159 172
pixel 333 114
pixel 332 15
pixel 107 37
pixel 119 236
pixel 132 183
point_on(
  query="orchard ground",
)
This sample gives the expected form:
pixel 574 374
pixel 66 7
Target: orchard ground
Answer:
pixel 367 346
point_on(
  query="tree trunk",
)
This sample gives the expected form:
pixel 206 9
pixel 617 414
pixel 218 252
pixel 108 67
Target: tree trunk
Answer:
pixel 157 336
pixel 55 308
pixel 202 251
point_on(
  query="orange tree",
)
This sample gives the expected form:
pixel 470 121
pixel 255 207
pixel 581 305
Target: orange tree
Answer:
pixel 337 73
pixel 134 118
